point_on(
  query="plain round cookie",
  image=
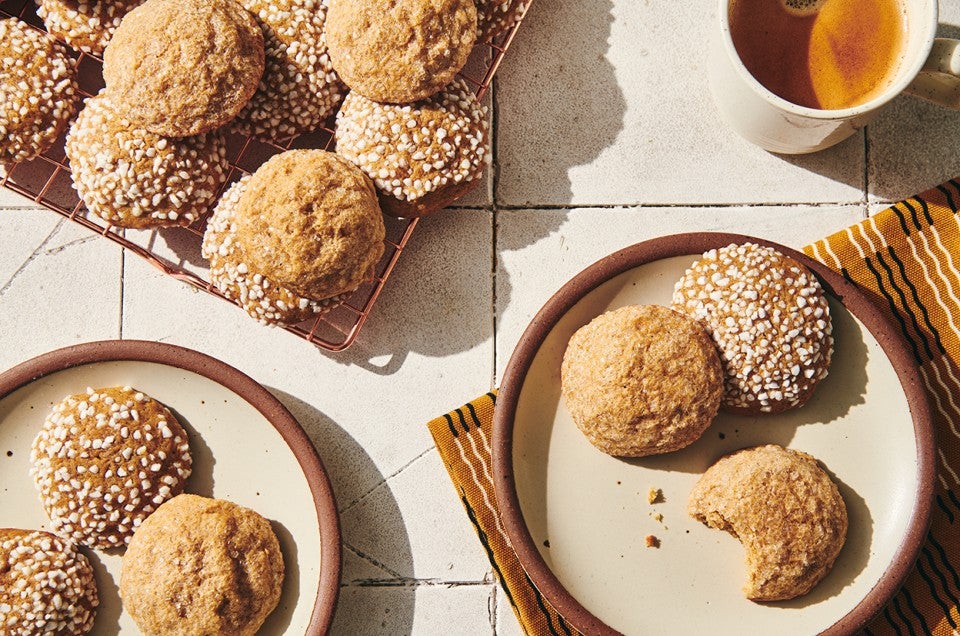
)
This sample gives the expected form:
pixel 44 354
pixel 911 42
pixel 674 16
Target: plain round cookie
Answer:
pixel 421 156
pixel 104 460
pixel 46 585
pixel 299 89
pixel 784 509
pixel 400 51
pixel 86 25
pixel 310 221
pixel 183 67
pixel 641 380
pixel 770 319
pixel 262 298
pixel 38 91
pixel 133 178
pixel 495 17
pixel 202 566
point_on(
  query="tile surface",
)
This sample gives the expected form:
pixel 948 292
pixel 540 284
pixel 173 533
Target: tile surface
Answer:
pixel 604 135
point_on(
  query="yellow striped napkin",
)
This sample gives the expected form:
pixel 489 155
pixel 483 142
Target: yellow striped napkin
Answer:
pixel 907 258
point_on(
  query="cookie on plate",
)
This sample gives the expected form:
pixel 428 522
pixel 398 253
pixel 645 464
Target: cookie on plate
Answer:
pixel 400 51
pixel 46 585
pixel 770 319
pixel 641 380
pixel 38 91
pixel 104 460
pixel 495 17
pixel 86 25
pixel 202 566
pixel 296 237
pixel 133 178
pixel 421 156
pixel 299 89
pixel 184 67
pixel 785 510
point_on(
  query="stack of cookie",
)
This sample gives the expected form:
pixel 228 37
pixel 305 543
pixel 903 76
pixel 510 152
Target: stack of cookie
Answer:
pixel 748 331
pixel 111 466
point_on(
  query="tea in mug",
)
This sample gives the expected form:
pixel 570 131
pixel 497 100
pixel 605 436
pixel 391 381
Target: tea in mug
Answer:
pixel 825 54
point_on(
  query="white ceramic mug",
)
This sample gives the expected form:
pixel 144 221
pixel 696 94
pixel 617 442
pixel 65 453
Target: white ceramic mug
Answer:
pixel 930 68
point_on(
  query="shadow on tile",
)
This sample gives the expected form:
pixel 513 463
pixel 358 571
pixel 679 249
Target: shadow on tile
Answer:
pixel 354 475
pixel 438 300
pixel 570 121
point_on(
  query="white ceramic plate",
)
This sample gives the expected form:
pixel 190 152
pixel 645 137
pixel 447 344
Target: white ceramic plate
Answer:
pixel 246 448
pixel 579 518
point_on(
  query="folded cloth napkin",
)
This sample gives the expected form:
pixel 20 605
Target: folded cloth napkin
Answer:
pixel 907 258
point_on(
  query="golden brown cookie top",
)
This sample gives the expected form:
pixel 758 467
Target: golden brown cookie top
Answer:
pixel 86 25
pixel 131 177
pixel 770 319
pixel 494 17
pixel 400 51
pixel 309 220
pixel 786 511
pixel 202 566
pixel 104 460
pixel 183 67
pixel 299 89
pixel 262 298
pixel 641 380
pixel 38 91
pixel 413 150
pixel 46 585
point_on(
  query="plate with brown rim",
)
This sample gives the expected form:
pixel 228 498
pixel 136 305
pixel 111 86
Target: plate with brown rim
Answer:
pixel 246 448
pixel 579 519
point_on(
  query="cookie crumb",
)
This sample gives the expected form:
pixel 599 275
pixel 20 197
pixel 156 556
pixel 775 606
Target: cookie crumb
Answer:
pixel 657 517
pixel 652 541
pixel 655 495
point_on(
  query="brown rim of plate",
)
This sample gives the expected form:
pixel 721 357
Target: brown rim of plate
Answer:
pixel 696 243
pixel 251 391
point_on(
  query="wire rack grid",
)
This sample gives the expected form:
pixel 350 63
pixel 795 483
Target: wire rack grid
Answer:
pixel 46 180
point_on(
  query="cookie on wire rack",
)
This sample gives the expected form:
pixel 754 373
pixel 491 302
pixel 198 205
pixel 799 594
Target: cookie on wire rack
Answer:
pixel 38 91
pixel 400 51
pixel 46 585
pixel 299 89
pixel 295 238
pixel 183 67
pixel 421 156
pixel 496 17
pixel 103 461
pixel 133 178
pixel 86 25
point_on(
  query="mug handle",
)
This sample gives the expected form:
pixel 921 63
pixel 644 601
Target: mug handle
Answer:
pixel 939 79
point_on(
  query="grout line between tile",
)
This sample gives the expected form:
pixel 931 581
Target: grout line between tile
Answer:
pixel 123 271
pixel 866 170
pixel 413 583
pixel 386 479
pixel 632 206
pixel 33 255
pixel 494 207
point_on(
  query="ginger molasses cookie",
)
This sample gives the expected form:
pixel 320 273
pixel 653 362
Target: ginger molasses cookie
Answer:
pixel 421 156
pixel 202 566
pixel 400 51
pixel 104 460
pixel 38 91
pixel 86 25
pixel 260 296
pixel 495 17
pixel 641 380
pixel 784 509
pixel 299 89
pixel 131 177
pixel 183 67
pixel 46 585
pixel 770 320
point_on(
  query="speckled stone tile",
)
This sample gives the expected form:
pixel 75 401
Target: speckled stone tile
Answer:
pixel 419 609
pixel 628 118
pixel 59 285
pixel 538 251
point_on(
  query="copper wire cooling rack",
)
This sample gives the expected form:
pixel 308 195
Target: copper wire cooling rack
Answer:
pixel 176 251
